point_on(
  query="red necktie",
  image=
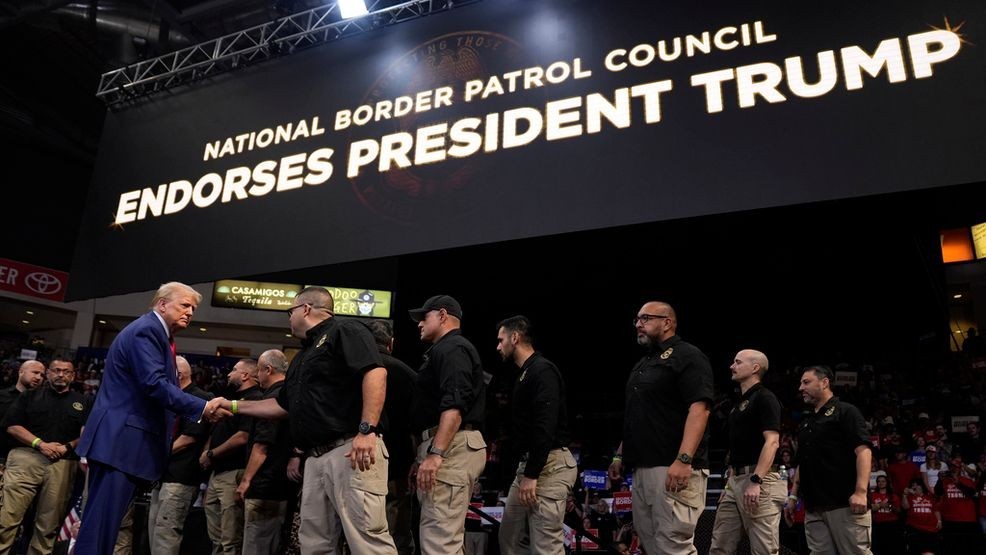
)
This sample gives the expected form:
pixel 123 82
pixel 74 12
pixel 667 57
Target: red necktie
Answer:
pixel 174 354
pixel 174 358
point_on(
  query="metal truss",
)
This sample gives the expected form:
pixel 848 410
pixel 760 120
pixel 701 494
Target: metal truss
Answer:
pixel 276 38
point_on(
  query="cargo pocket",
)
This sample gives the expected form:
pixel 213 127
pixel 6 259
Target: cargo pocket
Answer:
pixel 560 472
pixel 373 479
pixel 694 495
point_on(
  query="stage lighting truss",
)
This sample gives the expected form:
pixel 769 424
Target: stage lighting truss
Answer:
pixel 249 46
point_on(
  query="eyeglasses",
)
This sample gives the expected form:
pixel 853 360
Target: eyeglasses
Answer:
pixel 309 305
pixel 644 318
pixel 290 310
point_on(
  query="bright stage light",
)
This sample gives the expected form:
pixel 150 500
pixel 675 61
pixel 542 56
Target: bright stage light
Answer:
pixel 352 8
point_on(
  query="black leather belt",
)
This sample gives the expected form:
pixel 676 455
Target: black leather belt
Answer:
pixel 320 450
pixel 430 432
pixel 748 469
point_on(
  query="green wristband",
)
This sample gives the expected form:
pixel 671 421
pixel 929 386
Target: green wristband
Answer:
pixel 35 443
pixel 232 407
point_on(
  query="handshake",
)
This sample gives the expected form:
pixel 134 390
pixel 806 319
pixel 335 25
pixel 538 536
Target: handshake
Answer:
pixel 217 409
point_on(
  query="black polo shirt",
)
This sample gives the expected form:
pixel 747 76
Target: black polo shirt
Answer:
pixel 659 392
pixel 7 397
pixel 323 392
pixel 451 377
pixel 52 416
pixel 397 435
pixel 183 466
pixel 540 414
pixel 225 429
pixel 757 411
pixel 827 442
pixel 271 480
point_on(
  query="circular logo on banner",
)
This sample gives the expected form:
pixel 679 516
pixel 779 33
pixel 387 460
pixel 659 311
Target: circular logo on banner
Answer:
pixel 409 194
pixel 43 283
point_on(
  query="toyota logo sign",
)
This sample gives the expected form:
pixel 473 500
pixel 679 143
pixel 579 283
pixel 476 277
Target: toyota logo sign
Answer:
pixel 43 283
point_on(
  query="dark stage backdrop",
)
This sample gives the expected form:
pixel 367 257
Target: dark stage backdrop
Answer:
pixel 513 119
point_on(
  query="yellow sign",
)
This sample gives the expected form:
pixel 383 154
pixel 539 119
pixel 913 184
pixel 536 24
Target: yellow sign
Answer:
pixel 367 303
pixel 979 240
pixel 230 293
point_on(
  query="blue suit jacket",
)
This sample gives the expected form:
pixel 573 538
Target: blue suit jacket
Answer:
pixel 131 423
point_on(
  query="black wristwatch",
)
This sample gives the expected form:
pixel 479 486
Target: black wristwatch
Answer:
pixel 367 428
pixel 756 479
pixel 208 453
pixel 685 458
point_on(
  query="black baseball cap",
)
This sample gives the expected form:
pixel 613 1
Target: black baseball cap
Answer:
pixel 437 302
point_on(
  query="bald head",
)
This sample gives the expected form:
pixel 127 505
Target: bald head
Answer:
pixel 755 357
pixel 184 372
pixel 30 375
pixel 663 307
pixel 656 321
pixel 749 366
pixel 272 366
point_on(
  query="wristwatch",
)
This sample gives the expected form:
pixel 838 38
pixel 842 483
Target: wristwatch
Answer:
pixel 756 479
pixel 432 450
pixel 367 428
pixel 685 458
pixel 208 453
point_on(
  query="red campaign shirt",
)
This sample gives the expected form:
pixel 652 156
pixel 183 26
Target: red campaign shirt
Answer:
pixel 921 514
pixel 798 515
pixel 885 514
pixel 901 474
pixel 956 506
pixel 929 435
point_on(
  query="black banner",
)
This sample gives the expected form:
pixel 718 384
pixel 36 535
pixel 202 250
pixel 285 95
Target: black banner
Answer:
pixel 510 119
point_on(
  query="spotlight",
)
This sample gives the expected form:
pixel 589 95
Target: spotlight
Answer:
pixel 352 8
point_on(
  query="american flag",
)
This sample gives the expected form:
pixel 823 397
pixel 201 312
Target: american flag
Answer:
pixel 65 533
pixel 75 512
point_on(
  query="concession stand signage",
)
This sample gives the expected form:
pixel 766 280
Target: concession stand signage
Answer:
pixel 229 293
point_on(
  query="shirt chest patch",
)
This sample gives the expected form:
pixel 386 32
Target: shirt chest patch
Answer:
pixel 321 341
pixel 830 411
pixel 523 375
pixel 77 406
pixel 744 404
pixel 666 354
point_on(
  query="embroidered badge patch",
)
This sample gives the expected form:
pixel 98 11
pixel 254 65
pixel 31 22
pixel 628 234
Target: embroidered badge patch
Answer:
pixel 666 354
